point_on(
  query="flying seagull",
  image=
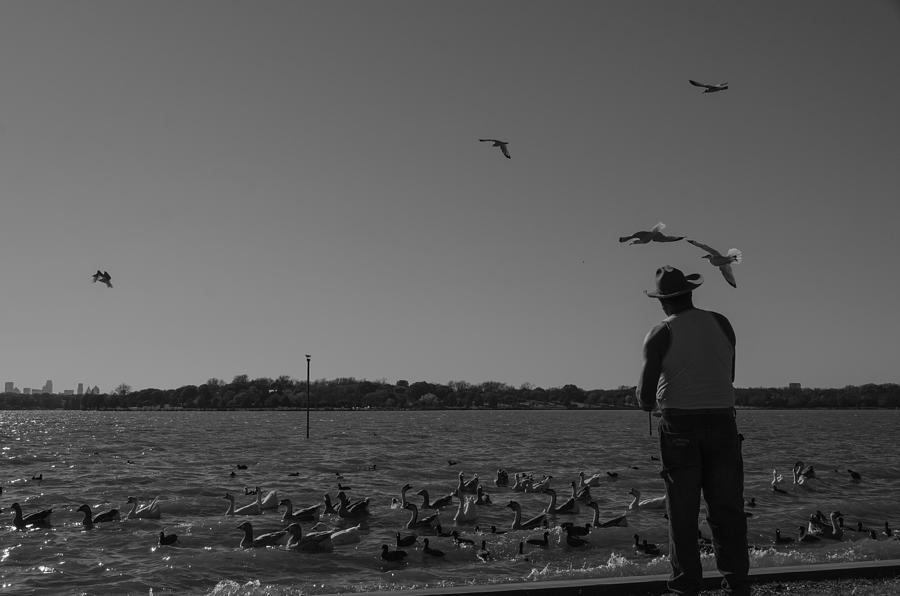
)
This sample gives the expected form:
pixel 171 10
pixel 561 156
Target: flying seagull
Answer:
pixel 654 234
pixel 723 262
pixel 710 88
pixel 502 144
pixel 104 277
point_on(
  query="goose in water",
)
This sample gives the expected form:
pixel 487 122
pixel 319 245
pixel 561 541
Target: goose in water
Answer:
pixel 835 531
pixel 251 509
pixel 346 536
pixel 261 541
pixel 779 539
pixel 723 262
pixel 167 539
pixel 645 547
pixel 651 503
pixel 573 539
pixel 415 522
pixel 482 498
pixel 329 506
pixel 406 540
pixel 543 541
pixel 38 518
pixel 503 145
pixel 709 88
pixel 568 507
pixel 594 480
pixel 270 501
pixel 354 510
pixel 517 524
pixel 307 514
pixel 89 519
pixel 621 521
pixel 467 486
pixel 654 234
pixel 502 478
pixel 484 555
pixel 312 542
pixel 855 476
pixel 802 471
pixel 149 511
pixel 776 479
pixel 466 511
pixel 431 551
pixel 394 556
pixel 522 483
pixel 805 536
pixel 542 485
pixel 438 503
pixel 572 529
pixel 403 490
pixel 887 531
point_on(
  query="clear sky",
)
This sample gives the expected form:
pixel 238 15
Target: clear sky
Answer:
pixel 268 179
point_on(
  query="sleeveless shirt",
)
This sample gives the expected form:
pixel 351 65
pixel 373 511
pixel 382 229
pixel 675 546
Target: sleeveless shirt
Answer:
pixel 696 369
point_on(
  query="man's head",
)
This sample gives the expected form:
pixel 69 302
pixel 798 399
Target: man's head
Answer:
pixel 673 288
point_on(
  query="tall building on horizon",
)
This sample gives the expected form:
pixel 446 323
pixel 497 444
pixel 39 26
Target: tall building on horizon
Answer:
pixel 9 386
pixel 80 388
pixel 48 387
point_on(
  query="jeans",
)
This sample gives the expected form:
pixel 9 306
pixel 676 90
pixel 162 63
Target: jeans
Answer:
pixel 701 450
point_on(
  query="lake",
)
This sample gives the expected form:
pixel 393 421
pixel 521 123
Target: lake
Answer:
pixel 187 459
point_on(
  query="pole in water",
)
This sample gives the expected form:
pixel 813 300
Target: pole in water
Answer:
pixel 307 395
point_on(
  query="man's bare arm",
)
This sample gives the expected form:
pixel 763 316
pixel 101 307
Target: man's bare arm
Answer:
pixel 655 345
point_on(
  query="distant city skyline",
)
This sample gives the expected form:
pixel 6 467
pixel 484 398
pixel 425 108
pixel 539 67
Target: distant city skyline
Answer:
pixel 264 180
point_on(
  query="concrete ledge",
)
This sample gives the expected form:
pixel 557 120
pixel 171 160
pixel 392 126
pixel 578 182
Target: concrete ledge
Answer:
pixel 624 586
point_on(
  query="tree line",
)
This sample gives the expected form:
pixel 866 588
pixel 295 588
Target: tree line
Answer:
pixel 286 392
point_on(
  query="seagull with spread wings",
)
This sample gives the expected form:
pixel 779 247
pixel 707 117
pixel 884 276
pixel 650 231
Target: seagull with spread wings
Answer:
pixel 502 144
pixel 654 234
pixel 723 262
pixel 707 88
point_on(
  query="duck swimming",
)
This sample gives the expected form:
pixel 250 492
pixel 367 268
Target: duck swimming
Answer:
pixel 149 511
pixel 415 522
pixel 502 478
pixel 312 542
pixel 250 509
pixel 307 514
pixel 352 510
pixel 645 547
pixel 651 503
pixel 393 556
pixel 439 503
pixel 261 541
pixel 166 539
pixel 106 516
pixel 594 480
pixel 38 518
pixel 568 507
pixel 620 521
pixel 403 541
pixel 517 524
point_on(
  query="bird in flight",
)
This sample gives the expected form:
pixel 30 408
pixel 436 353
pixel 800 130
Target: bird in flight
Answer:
pixel 654 234
pixel 723 262
pixel 502 144
pixel 709 88
pixel 104 277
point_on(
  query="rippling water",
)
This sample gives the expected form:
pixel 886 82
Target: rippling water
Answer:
pixel 186 458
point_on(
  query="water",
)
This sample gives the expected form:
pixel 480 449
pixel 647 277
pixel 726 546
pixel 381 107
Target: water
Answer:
pixel 186 458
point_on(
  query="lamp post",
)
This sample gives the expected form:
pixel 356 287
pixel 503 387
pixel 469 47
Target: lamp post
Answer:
pixel 307 395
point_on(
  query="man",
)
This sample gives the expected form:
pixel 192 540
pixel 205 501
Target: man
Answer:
pixel 689 370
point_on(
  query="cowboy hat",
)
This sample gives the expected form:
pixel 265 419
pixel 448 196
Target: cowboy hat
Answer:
pixel 671 282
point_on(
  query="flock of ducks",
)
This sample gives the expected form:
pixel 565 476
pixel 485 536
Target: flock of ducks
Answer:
pixel 349 517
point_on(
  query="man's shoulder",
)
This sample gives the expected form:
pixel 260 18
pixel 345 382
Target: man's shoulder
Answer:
pixel 725 324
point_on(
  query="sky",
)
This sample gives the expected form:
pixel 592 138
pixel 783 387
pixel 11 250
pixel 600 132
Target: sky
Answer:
pixel 265 180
